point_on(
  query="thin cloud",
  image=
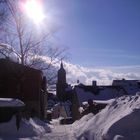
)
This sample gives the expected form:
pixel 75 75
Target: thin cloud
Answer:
pixel 103 76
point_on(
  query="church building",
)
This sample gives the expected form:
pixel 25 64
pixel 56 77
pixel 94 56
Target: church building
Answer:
pixel 61 83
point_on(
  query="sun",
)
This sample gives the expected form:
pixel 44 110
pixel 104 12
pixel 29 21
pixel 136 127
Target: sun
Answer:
pixel 34 10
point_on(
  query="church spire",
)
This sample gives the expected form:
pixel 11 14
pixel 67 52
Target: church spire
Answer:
pixel 61 65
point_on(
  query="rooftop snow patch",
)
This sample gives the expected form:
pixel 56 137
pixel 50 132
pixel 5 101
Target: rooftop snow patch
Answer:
pixel 100 101
pixel 10 102
pixel 119 120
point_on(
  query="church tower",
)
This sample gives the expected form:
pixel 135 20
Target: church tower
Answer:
pixel 61 83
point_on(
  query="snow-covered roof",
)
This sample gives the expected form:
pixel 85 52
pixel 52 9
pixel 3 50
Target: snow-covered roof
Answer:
pixel 52 89
pixel 130 86
pixel 102 93
pixel 82 96
pixel 123 81
pixel 10 102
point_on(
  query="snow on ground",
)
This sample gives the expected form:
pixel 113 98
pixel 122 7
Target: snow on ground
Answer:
pixel 119 120
pixel 35 129
pixel 59 132
pixel 28 128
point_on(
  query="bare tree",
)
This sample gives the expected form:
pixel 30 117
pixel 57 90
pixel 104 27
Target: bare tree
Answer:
pixel 2 13
pixel 29 44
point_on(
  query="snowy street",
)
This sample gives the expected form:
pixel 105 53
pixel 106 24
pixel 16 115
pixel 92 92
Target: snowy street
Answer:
pixel 60 132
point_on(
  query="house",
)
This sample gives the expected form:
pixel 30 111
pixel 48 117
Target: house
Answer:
pixel 83 93
pixel 23 83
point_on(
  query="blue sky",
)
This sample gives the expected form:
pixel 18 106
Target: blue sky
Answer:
pixel 99 33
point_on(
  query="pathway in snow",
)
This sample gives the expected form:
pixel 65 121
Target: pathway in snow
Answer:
pixel 60 132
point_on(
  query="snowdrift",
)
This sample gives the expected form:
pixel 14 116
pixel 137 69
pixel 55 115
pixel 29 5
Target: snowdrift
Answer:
pixel 118 121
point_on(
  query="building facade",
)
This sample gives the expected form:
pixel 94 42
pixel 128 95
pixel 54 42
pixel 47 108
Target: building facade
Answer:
pixel 24 83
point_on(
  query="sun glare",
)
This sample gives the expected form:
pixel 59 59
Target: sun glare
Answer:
pixel 34 10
